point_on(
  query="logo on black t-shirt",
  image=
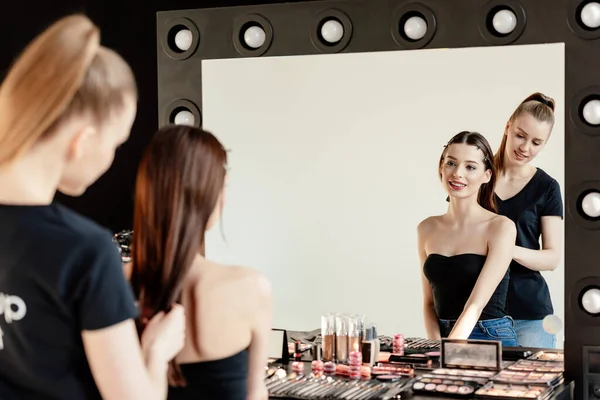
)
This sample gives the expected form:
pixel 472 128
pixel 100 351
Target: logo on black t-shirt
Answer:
pixel 13 308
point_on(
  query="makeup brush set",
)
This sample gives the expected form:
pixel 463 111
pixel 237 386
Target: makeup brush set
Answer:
pixel 309 387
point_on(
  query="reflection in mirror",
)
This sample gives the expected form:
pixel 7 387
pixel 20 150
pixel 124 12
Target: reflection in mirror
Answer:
pixel 335 161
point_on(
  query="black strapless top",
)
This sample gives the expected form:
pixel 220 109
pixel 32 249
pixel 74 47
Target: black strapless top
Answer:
pixel 223 379
pixel 452 280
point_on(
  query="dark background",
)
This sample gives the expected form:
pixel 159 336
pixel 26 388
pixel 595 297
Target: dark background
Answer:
pixel 129 27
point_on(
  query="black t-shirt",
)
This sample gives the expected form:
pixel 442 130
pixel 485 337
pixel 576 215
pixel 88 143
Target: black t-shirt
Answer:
pixel 60 273
pixel 528 295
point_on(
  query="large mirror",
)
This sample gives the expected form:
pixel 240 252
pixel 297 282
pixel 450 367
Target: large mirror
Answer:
pixel 334 163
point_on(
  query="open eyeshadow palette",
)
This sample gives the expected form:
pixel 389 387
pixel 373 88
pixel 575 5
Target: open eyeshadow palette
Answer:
pixel 452 384
pixel 536 370
pixel 494 390
pixel 309 387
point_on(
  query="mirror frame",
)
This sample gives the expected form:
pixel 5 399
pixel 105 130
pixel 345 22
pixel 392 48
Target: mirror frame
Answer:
pixel 292 29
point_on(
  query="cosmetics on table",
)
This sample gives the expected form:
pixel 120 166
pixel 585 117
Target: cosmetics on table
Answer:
pixel 310 387
pixel 328 337
pixel 354 333
pixel 456 385
pixel 370 346
pixel 548 356
pixel 538 366
pixel 495 390
pixel 341 338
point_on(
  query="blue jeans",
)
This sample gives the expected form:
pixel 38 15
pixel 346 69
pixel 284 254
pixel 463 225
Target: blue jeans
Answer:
pixel 500 329
pixel 531 333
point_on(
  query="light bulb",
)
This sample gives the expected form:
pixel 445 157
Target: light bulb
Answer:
pixel 504 22
pixel 332 31
pixel 590 15
pixel 184 117
pixel 591 301
pixel 255 36
pixel 183 39
pixel 552 324
pixel 591 204
pixel 415 28
pixel 591 112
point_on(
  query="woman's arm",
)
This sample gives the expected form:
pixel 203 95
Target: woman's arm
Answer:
pixel 258 350
pixel 548 258
pixel 121 370
pixel 501 244
pixel 432 326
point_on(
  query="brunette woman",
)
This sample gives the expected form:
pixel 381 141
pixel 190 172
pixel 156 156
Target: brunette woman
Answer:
pixel 532 199
pixel 180 192
pixel 67 314
pixel 465 253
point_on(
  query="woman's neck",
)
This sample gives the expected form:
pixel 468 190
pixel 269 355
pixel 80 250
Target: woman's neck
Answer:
pixel 518 172
pixel 462 211
pixel 30 180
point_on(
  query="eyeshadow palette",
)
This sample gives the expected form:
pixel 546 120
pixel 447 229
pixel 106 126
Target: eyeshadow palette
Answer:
pixel 513 391
pixel 528 377
pixel 538 366
pixel 310 387
pixel 473 373
pixel 447 385
pixel 411 345
pixel 548 356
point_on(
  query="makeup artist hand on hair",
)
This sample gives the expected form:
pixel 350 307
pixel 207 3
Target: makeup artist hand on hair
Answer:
pixel 164 335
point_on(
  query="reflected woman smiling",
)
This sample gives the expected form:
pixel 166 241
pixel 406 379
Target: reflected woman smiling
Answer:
pixel 465 253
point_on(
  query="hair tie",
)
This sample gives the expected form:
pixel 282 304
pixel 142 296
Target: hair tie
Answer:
pixel 542 100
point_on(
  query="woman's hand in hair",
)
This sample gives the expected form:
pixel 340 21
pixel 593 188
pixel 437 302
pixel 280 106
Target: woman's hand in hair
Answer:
pixel 164 336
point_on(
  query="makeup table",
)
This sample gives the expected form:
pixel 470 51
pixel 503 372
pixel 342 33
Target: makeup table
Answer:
pixel 562 391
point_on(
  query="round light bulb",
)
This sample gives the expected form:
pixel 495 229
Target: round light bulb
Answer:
pixel 184 117
pixel 255 37
pixel 591 301
pixel 183 39
pixel 332 31
pixel 590 15
pixel 415 28
pixel 591 112
pixel 552 324
pixel 591 204
pixel 504 22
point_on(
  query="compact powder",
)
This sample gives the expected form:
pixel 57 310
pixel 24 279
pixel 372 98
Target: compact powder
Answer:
pixel 452 389
pixel 430 386
pixel 426 380
pixel 418 386
pixel 436 381
pixel 447 382
pixel 465 390
pixel 441 388
pixel 459 383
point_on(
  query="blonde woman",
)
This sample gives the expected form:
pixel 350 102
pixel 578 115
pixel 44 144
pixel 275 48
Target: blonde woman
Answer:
pixel 67 314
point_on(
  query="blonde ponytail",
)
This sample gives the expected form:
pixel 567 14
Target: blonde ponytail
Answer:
pixel 63 71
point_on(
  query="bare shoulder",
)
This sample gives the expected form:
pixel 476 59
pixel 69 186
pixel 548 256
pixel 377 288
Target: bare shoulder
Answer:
pixel 252 280
pixel 428 224
pixel 501 225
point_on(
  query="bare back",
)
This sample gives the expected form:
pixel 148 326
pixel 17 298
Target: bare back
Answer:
pixel 221 309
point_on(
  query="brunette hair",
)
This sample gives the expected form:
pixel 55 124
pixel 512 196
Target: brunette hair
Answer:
pixel 64 72
pixel 179 182
pixel 540 107
pixel 486 197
